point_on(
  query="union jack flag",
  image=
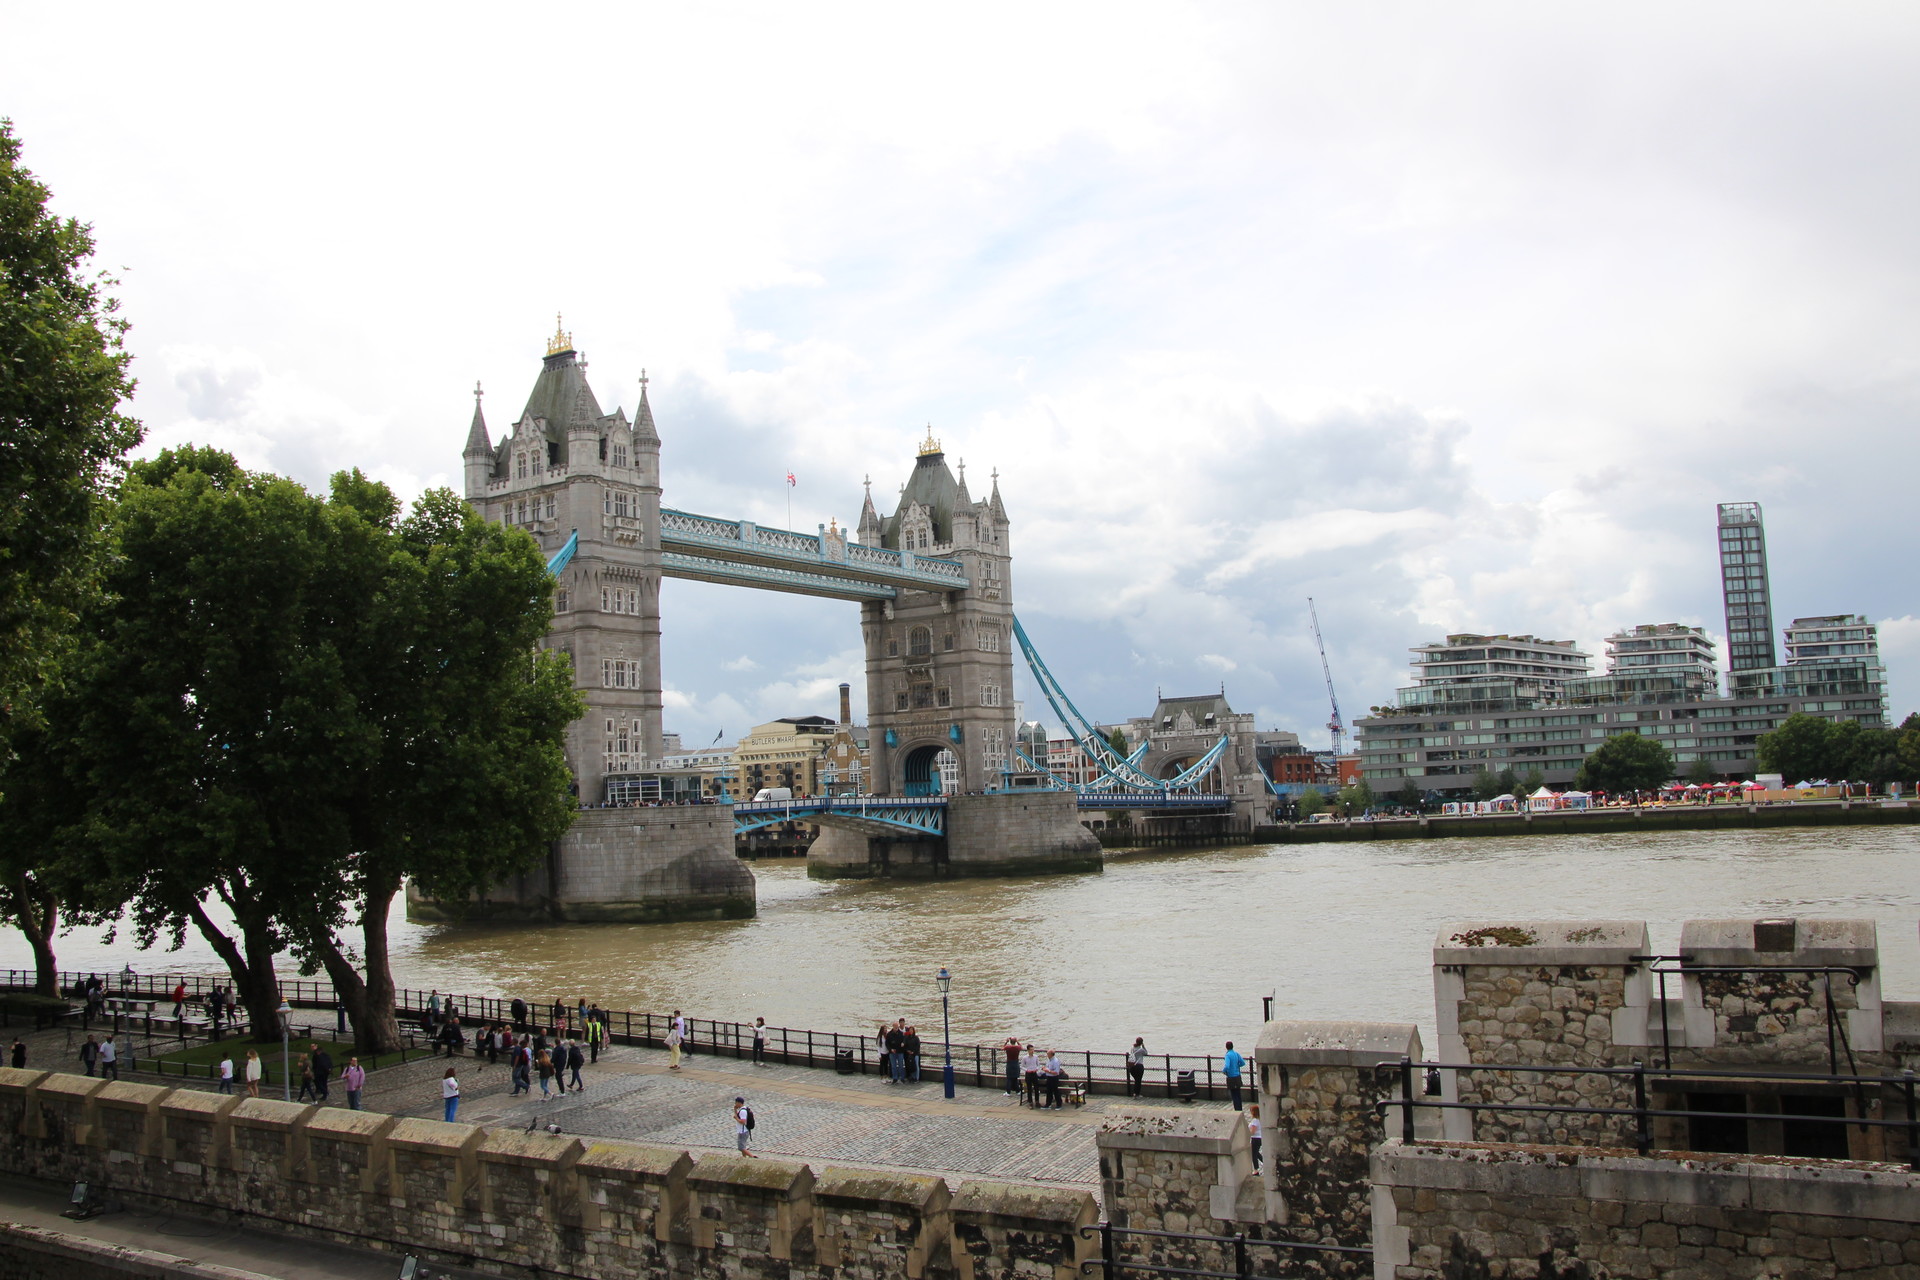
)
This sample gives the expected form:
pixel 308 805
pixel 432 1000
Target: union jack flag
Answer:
pixel 790 480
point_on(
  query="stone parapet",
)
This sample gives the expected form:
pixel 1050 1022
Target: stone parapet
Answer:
pixel 527 1203
pixel 1451 1210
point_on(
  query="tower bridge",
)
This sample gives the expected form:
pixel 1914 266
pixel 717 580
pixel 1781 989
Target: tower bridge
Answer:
pixel 933 580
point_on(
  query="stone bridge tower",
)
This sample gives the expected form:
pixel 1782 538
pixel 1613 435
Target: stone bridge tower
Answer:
pixel 940 663
pixel 565 466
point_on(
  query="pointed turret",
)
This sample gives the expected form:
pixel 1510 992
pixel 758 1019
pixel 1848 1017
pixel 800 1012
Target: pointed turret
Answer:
pixel 994 505
pixel 479 451
pixel 643 416
pixel 869 527
pixel 961 498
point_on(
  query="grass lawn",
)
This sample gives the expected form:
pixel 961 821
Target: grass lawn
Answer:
pixel 204 1059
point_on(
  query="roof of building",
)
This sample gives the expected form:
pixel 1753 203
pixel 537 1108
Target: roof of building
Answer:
pixel 561 396
pixel 1199 707
pixel 932 486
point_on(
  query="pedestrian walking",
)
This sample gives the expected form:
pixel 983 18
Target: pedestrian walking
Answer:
pixel 742 1126
pixel 1253 1132
pixel 322 1072
pixel 432 1019
pixel 674 1039
pixel 1230 1067
pixel 759 1042
pixel 1012 1051
pixel 684 1026
pixel 252 1072
pixel 1137 1068
pixel 179 998
pixel 1030 1071
pixel 450 1094
pixel 304 1065
pixel 90 1054
pixel 353 1080
pixel 226 1072
pixel 1050 1073
pixel 544 1065
pixel 109 1058
pixel 19 1055
pixel 576 1059
pixel 521 1056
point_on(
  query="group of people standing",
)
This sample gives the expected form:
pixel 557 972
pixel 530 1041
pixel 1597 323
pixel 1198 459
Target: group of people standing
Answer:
pixel 899 1046
pixel 1034 1076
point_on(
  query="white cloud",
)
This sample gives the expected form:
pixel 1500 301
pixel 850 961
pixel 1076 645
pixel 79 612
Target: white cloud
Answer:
pixel 1461 322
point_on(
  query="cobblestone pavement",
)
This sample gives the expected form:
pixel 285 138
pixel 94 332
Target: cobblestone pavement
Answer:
pixel 801 1113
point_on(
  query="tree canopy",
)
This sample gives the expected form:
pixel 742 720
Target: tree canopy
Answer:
pixel 286 704
pixel 1805 747
pixel 63 376
pixel 1627 762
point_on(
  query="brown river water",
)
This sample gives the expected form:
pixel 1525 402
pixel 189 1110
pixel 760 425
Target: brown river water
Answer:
pixel 1177 946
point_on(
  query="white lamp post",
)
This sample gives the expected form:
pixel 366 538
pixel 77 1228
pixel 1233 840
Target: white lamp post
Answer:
pixel 945 980
pixel 286 1031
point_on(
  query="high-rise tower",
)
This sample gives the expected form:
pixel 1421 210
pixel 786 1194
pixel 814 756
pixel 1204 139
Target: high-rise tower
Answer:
pixel 566 467
pixel 1745 588
pixel 940 663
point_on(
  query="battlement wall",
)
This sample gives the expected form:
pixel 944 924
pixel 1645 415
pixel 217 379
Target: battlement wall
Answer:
pixel 519 1203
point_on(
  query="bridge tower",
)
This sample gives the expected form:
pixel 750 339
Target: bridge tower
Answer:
pixel 565 466
pixel 940 663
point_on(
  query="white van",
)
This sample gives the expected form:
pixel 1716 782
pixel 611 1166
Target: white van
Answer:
pixel 772 793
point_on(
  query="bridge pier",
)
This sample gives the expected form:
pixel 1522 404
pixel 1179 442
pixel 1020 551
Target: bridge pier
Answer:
pixel 632 866
pixel 1018 833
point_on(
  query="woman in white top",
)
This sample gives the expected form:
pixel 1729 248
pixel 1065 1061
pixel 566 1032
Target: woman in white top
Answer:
pixel 450 1094
pixel 252 1071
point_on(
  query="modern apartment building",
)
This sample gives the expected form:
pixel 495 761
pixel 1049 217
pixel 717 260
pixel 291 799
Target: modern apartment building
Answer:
pixel 1831 659
pixel 1490 673
pixel 1744 586
pixel 1656 662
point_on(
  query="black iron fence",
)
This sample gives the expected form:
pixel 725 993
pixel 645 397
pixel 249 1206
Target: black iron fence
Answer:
pixel 1421 1086
pixel 1166 1075
pixel 1240 1250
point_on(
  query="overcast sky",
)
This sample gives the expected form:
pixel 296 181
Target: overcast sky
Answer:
pixel 1452 317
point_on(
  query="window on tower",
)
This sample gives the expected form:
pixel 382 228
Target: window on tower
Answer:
pixel 920 642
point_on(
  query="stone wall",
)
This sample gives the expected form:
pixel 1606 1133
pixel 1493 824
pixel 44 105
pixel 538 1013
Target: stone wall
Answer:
pixel 517 1203
pixel 1467 1212
pixel 634 865
pixel 1540 993
pixel 1019 833
pixel 32 1253
pixel 1319 1082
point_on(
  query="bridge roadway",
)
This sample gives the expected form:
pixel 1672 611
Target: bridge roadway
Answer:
pixel 741 553
pixel 893 816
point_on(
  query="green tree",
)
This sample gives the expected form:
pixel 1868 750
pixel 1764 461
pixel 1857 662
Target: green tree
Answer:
pixel 1485 785
pixel 1700 772
pixel 1357 798
pixel 1118 741
pixel 63 375
pixel 471 782
pixel 1408 797
pixel 1626 762
pixel 1509 783
pixel 42 821
pixel 1805 747
pixel 1312 801
pixel 1910 748
pixel 1532 782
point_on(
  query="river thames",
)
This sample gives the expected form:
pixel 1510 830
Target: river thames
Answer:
pixel 1176 946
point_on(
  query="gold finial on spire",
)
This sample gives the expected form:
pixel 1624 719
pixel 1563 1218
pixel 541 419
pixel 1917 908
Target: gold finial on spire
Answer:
pixel 833 525
pixel 561 340
pixel 929 445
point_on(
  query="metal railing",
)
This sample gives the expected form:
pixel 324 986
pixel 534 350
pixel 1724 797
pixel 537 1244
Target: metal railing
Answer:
pixel 1167 1075
pixel 1661 967
pixel 1642 1112
pixel 1110 1264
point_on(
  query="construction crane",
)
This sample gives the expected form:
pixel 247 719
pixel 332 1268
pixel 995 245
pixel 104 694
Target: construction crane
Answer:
pixel 1333 726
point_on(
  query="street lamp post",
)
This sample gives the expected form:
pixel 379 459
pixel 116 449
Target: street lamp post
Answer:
pixel 286 1032
pixel 945 980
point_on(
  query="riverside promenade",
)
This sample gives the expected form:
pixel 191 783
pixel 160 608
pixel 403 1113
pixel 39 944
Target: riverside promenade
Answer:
pixel 801 1113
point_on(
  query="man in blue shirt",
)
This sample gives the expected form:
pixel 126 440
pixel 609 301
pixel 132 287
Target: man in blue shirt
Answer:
pixel 1231 1065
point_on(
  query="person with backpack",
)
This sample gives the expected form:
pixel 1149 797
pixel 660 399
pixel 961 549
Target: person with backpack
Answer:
pixel 742 1126
pixel 576 1059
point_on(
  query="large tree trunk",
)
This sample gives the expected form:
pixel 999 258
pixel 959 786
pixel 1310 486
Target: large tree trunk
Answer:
pixel 368 1000
pixel 37 911
pixel 254 981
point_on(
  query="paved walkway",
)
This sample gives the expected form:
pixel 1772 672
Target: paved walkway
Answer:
pixel 801 1113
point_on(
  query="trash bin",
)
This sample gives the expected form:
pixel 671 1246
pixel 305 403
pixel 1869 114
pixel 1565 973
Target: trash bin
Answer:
pixel 1183 1086
pixel 843 1062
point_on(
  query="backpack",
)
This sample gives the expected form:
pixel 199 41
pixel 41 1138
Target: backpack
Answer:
pixel 749 1111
